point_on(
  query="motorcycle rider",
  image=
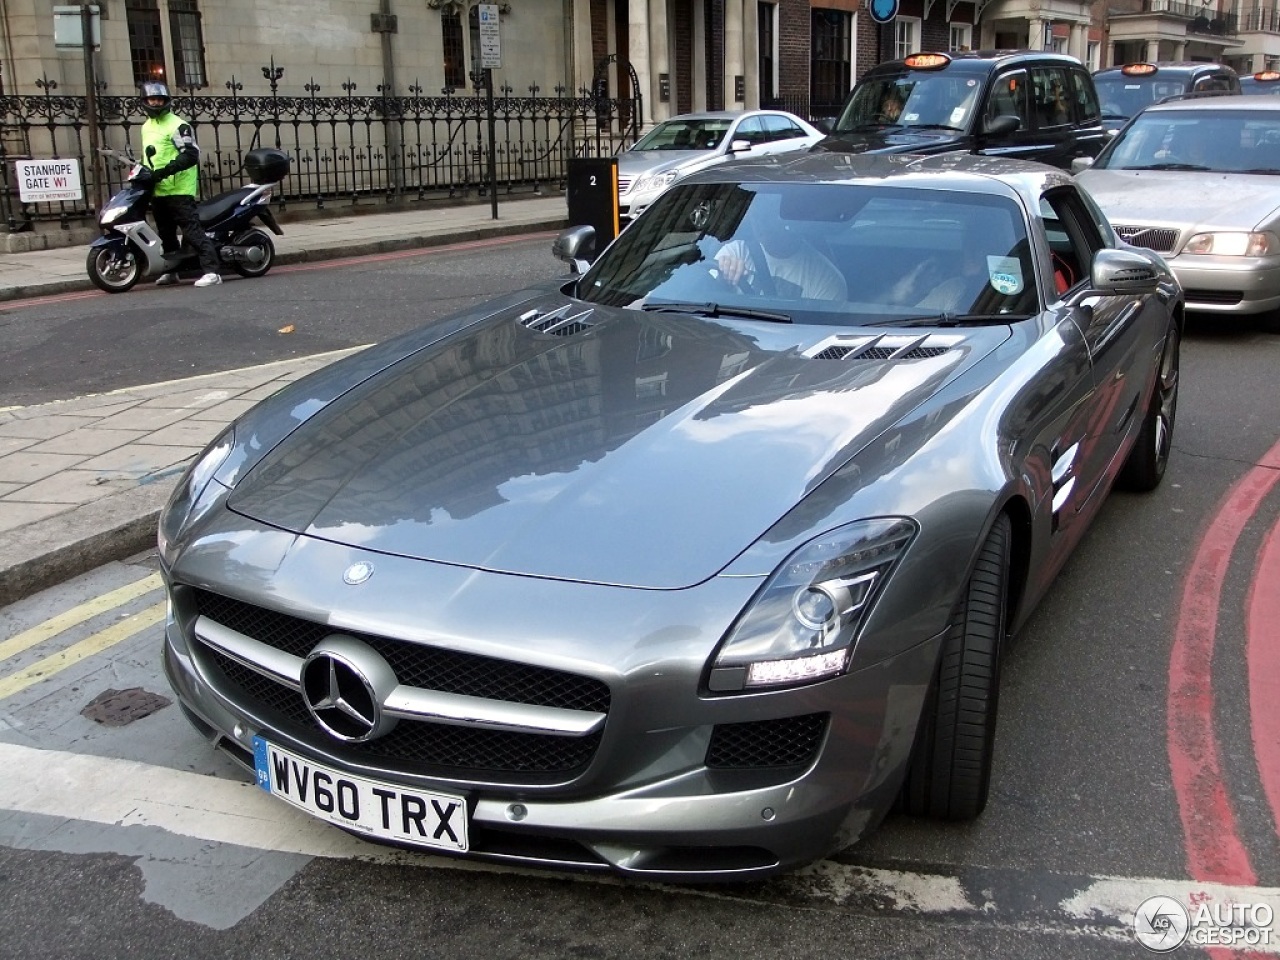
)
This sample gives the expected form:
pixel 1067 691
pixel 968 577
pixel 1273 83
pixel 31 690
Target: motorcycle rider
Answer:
pixel 170 154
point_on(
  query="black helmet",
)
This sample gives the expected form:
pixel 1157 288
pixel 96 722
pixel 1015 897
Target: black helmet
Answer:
pixel 153 91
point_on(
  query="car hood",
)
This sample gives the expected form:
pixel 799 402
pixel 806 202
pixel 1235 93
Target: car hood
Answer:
pixel 890 140
pixel 1232 200
pixel 660 161
pixel 644 449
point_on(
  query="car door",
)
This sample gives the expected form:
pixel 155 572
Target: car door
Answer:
pixel 1007 96
pixel 1118 333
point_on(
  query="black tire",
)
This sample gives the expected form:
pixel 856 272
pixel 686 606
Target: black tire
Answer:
pixel 255 238
pixel 950 769
pixel 1144 468
pixel 112 270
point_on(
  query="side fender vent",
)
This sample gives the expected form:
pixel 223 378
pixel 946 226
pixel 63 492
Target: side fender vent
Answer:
pixel 558 322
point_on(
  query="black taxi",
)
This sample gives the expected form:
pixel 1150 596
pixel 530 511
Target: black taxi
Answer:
pixel 1126 89
pixel 1028 104
pixel 1264 83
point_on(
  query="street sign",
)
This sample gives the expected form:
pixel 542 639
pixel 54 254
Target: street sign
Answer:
pixel 883 11
pixel 490 37
pixel 45 181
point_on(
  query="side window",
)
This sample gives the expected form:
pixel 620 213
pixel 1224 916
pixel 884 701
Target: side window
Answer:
pixel 1008 97
pixel 1052 100
pixel 1073 237
pixel 751 130
pixel 1086 98
pixel 780 128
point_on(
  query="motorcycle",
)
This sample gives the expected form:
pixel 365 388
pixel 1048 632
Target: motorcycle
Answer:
pixel 130 249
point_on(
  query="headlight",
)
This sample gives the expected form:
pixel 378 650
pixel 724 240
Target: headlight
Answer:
pixel 654 182
pixel 802 624
pixel 193 496
pixel 111 214
pixel 1234 244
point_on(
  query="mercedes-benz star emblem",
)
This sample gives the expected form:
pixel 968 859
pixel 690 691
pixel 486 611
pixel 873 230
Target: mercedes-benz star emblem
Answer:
pixel 358 573
pixel 345 683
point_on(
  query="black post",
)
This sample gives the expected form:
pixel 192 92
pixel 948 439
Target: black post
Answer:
pixel 493 153
pixel 90 104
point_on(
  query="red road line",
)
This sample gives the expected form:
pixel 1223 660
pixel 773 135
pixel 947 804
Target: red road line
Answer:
pixel 1215 851
pixel 1263 657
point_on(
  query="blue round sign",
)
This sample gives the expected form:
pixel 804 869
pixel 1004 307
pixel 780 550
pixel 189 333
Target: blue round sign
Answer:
pixel 882 11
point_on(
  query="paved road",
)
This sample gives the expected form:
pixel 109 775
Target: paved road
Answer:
pixel 1138 728
pixel 152 334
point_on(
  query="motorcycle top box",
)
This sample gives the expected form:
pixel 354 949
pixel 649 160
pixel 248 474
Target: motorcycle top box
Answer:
pixel 266 165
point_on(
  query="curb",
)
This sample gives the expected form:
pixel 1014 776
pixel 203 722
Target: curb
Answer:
pixel 356 249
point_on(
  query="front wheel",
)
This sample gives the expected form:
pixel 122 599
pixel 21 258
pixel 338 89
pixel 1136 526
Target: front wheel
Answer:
pixel 256 255
pixel 950 770
pixel 114 268
pixel 1145 466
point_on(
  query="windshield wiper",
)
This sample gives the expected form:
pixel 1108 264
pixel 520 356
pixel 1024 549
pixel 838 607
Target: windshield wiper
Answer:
pixel 955 320
pixel 717 310
pixel 1169 166
pixel 932 126
pixel 1271 170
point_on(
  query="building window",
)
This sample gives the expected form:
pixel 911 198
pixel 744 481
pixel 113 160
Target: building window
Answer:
pixel 146 44
pixel 961 36
pixel 906 39
pixel 831 72
pixel 767 15
pixel 1093 59
pixel 188 43
pixel 455 57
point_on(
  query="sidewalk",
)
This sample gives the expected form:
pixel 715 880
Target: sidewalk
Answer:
pixel 82 481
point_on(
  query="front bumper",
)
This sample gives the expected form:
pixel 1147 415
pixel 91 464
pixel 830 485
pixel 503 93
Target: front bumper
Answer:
pixel 1228 285
pixel 651 801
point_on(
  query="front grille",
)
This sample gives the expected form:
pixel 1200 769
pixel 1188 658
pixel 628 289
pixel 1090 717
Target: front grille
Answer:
pixel 416 665
pixel 1159 239
pixel 1220 298
pixel 789 742
pixel 416 746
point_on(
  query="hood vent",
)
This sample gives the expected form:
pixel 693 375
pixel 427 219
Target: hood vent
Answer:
pixel 882 348
pixel 557 322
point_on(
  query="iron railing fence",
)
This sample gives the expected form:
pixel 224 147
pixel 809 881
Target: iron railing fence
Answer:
pixel 1263 18
pixel 348 147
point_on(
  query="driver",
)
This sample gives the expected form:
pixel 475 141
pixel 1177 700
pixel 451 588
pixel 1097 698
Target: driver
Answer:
pixel 795 268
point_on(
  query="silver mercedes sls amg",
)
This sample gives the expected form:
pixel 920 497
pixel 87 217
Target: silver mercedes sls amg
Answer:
pixel 695 562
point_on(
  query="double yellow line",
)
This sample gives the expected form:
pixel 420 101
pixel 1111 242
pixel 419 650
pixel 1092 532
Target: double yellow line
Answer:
pixel 80 650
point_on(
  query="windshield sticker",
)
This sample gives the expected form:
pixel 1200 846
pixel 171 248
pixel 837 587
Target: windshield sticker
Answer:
pixel 911 117
pixel 1005 274
pixel 957 116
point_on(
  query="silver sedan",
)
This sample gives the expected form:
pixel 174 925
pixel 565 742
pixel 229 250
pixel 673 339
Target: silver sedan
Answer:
pixel 692 565
pixel 1198 181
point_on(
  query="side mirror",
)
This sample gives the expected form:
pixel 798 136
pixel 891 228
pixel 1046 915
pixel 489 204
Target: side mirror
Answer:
pixel 1124 272
pixel 576 246
pixel 151 152
pixel 1001 126
pixel 740 146
pixel 1081 163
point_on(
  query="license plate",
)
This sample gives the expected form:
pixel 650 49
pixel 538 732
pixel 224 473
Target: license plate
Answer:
pixel 377 809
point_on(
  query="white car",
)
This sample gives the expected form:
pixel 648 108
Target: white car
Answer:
pixel 695 141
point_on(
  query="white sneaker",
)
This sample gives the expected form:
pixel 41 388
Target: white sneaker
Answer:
pixel 167 279
pixel 208 280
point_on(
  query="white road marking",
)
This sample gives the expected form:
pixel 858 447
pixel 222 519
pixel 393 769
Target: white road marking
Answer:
pixel 127 793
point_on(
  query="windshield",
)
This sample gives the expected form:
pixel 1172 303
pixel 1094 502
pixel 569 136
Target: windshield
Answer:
pixel 685 134
pixel 1255 87
pixel 1222 141
pixel 923 100
pixel 844 254
pixel 1123 97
